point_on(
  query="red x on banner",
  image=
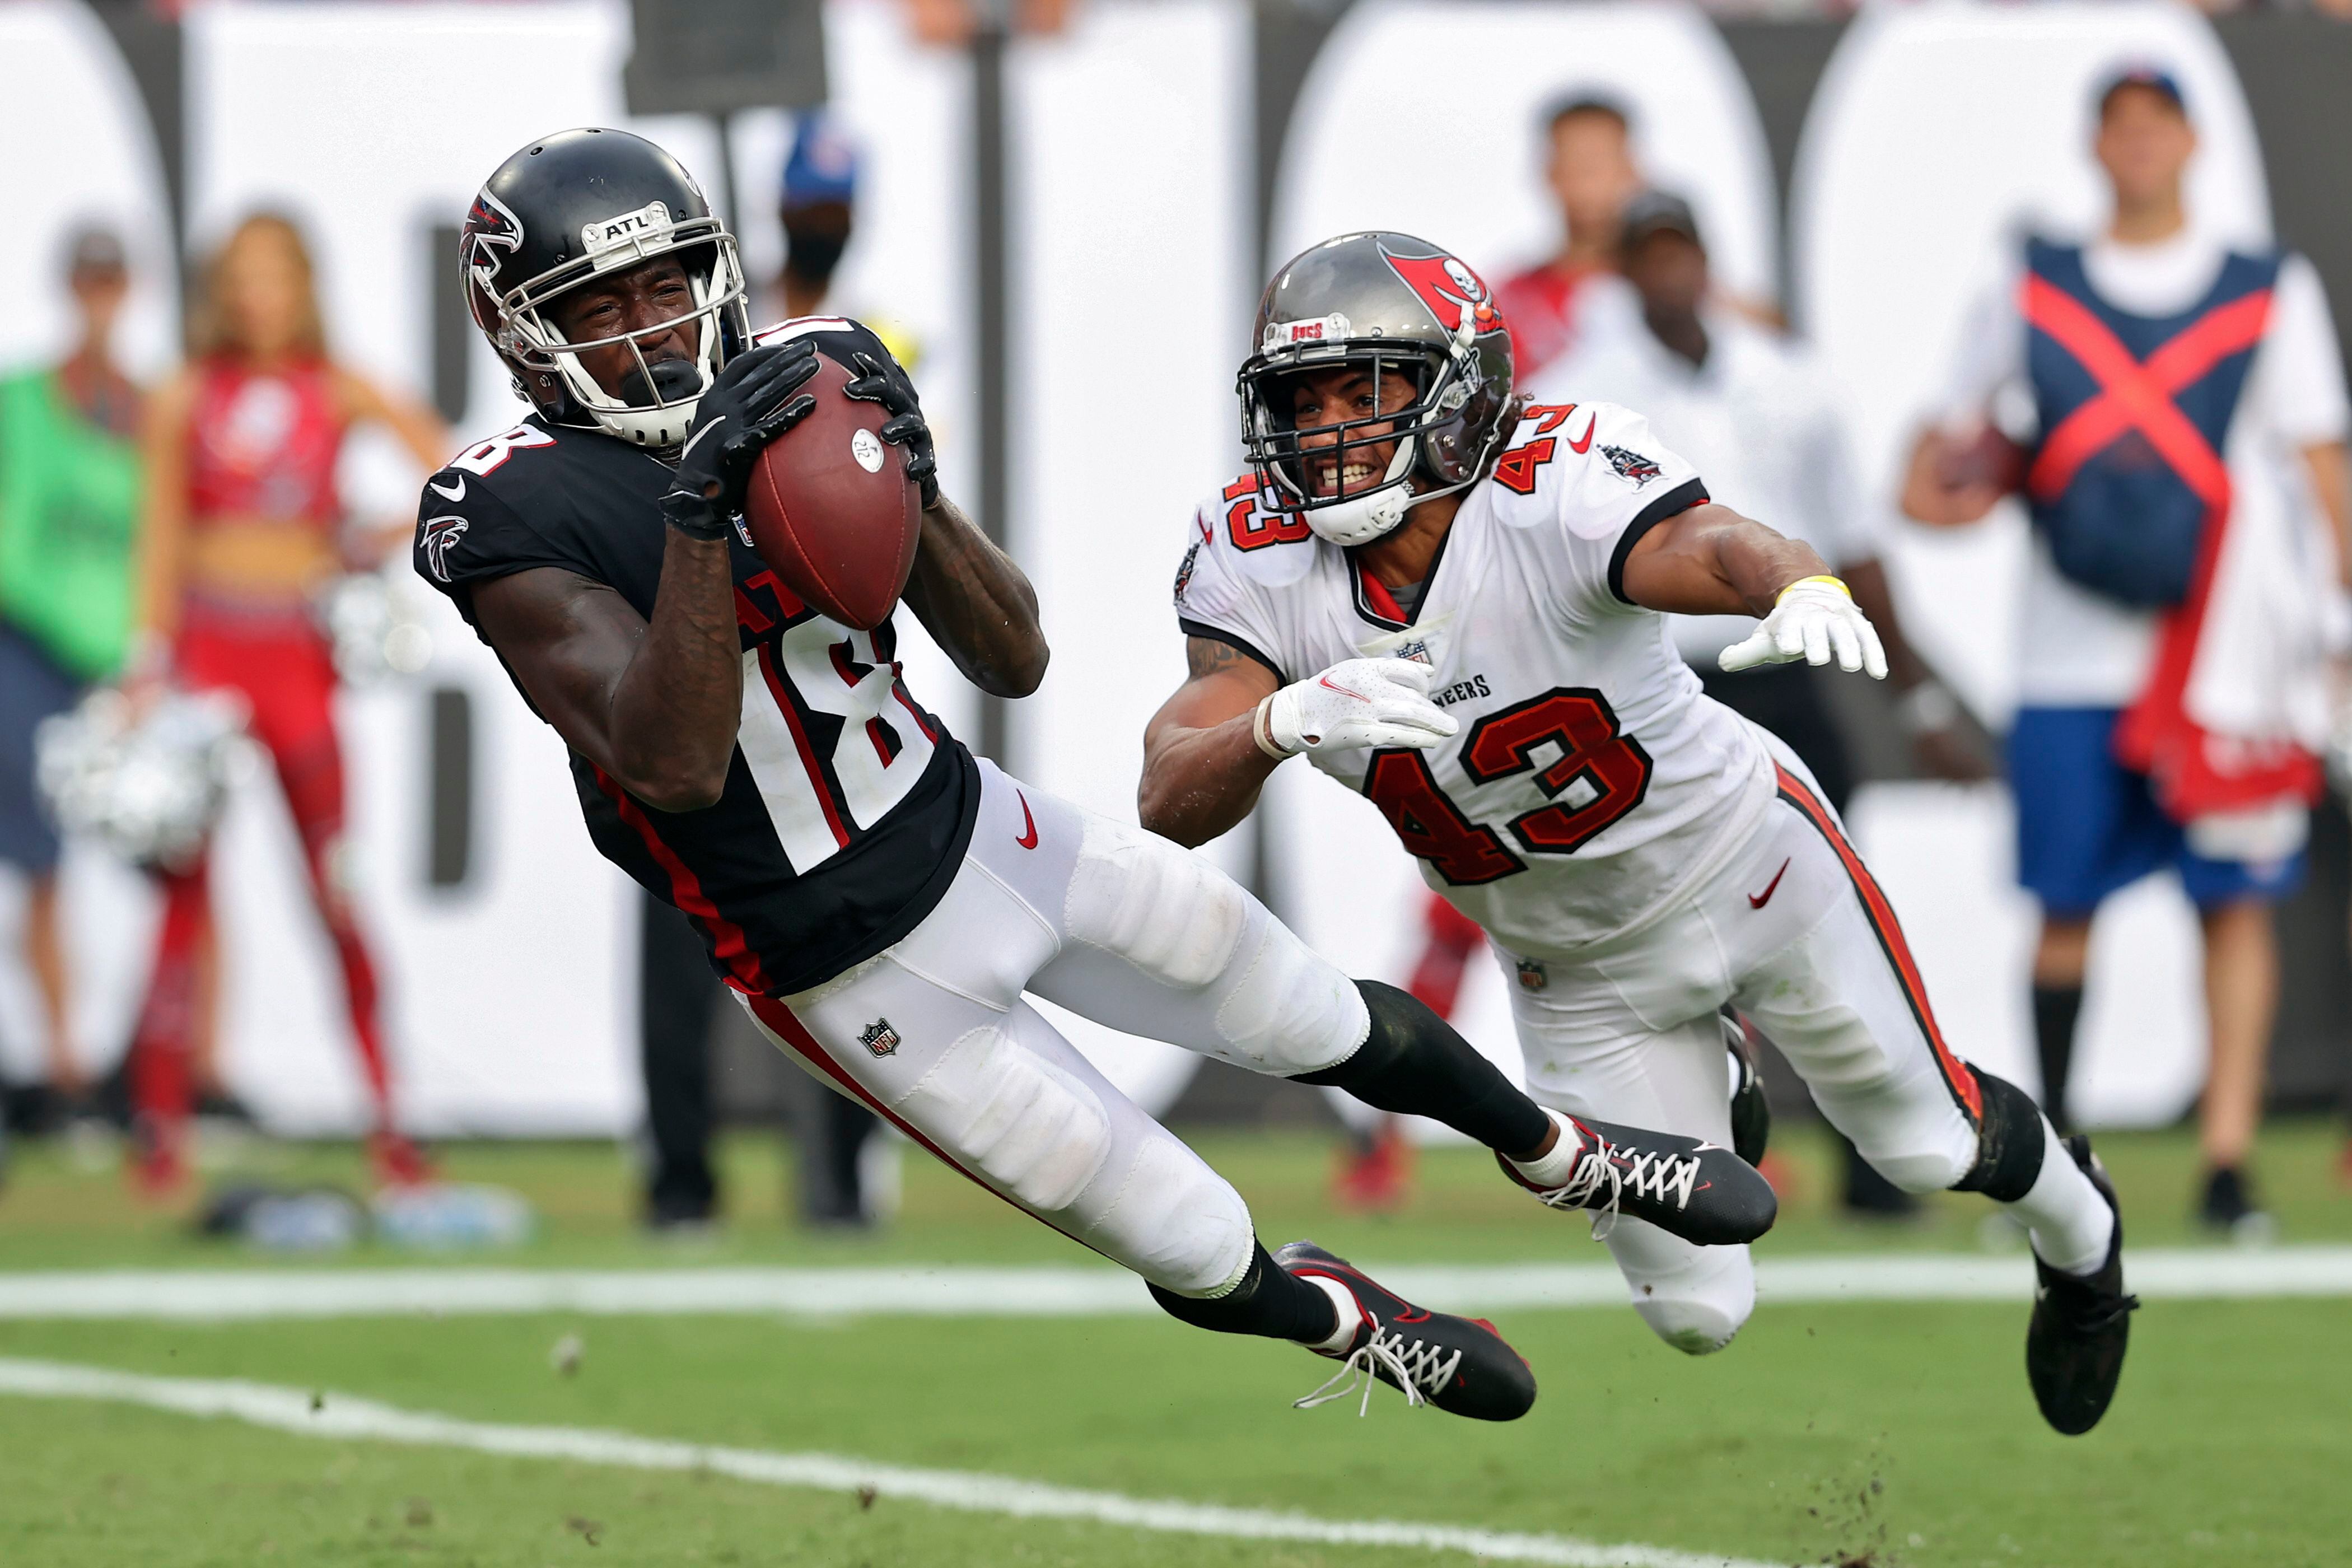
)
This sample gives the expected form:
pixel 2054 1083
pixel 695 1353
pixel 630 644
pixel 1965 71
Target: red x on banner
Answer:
pixel 2194 772
pixel 2137 394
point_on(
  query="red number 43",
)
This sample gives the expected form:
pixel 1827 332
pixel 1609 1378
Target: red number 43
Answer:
pixel 1600 774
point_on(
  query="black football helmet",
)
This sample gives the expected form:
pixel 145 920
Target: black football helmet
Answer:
pixel 1400 306
pixel 565 209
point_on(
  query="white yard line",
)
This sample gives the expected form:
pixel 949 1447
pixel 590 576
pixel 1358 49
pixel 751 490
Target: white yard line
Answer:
pixel 342 1417
pixel 1065 1291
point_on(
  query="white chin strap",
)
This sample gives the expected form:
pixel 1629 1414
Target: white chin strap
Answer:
pixel 1366 518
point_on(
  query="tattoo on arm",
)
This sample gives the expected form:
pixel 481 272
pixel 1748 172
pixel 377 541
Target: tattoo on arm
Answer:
pixel 1208 656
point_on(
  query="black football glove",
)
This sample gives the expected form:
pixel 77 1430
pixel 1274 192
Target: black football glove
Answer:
pixel 749 404
pixel 886 384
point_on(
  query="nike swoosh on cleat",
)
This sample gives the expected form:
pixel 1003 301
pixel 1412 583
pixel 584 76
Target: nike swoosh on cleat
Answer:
pixel 1028 840
pixel 1758 901
pixel 456 493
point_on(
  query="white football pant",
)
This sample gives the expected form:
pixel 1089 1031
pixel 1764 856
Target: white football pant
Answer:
pixel 1790 929
pixel 1118 925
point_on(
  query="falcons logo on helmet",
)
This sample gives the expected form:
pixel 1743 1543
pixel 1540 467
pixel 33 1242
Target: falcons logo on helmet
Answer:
pixel 440 535
pixel 1449 289
pixel 492 227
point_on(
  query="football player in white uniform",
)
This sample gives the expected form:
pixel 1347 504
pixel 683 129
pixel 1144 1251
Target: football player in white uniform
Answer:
pixel 1454 602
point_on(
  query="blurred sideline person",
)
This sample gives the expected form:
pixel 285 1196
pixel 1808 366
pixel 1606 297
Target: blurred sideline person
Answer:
pixel 2182 409
pixel 878 899
pixel 1449 600
pixel 1575 296
pixel 816 208
pixel 243 527
pixel 69 515
pixel 1751 411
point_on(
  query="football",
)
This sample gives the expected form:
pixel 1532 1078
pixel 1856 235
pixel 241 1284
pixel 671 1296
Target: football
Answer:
pixel 830 507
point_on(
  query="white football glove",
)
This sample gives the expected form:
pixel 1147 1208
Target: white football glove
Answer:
pixel 1813 618
pixel 1359 702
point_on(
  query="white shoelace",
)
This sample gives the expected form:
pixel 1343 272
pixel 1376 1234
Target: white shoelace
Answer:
pixel 1655 1176
pixel 1415 1365
pixel 1593 1172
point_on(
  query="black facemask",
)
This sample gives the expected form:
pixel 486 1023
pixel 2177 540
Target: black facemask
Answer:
pixel 672 379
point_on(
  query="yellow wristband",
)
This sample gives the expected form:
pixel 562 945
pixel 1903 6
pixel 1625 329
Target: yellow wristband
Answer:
pixel 1837 583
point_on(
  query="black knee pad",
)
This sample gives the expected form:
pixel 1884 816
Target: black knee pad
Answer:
pixel 2010 1143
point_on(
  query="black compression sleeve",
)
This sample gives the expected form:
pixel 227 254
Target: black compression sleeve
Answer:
pixel 1413 1063
pixel 1269 1302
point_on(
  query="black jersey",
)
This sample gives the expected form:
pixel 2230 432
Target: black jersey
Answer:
pixel 847 808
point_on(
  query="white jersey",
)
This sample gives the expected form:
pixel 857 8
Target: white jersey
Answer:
pixel 1591 781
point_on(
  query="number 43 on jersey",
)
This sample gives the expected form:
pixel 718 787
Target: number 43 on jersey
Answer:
pixel 1600 775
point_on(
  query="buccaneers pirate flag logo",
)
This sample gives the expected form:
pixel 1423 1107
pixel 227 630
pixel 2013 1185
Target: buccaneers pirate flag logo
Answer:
pixel 1449 289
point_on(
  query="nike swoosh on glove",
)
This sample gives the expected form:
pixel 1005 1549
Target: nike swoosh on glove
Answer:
pixel 1813 619
pixel 1359 702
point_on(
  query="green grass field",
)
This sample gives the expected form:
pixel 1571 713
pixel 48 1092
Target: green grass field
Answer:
pixel 1880 1433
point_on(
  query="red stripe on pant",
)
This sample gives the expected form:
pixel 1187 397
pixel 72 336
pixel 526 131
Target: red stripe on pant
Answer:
pixel 785 1026
pixel 1957 1076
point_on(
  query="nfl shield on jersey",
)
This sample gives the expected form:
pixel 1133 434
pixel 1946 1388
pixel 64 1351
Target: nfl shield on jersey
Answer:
pixel 1587 784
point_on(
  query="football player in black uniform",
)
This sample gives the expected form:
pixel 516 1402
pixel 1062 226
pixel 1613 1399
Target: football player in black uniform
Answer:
pixel 874 896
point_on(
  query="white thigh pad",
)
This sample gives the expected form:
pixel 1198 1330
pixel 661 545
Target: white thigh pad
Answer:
pixel 1176 1222
pixel 1291 1011
pixel 1023 1121
pixel 1165 909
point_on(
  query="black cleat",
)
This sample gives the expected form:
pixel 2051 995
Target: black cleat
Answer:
pixel 1459 1364
pixel 2074 1347
pixel 1687 1187
pixel 1751 1116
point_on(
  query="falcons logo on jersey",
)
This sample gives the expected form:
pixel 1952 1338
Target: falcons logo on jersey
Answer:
pixel 440 533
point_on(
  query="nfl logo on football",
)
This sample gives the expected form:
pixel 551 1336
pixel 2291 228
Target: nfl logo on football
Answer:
pixel 879 1037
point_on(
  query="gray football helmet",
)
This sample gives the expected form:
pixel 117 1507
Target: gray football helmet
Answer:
pixel 1401 307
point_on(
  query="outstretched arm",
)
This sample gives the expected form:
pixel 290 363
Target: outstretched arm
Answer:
pixel 1201 768
pixel 1209 749
pixel 1710 561
pixel 978 605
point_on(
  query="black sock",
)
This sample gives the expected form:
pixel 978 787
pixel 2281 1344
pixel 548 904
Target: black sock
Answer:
pixel 1414 1064
pixel 2055 1008
pixel 1268 1302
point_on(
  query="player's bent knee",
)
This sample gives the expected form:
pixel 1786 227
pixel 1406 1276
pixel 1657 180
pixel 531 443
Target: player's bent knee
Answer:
pixel 1024 1123
pixel 1165 911
pixel 1695 1327
pixel 1915 1171
pixel 1291 1011
pixel 1176 1222
pixel 1696 1299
